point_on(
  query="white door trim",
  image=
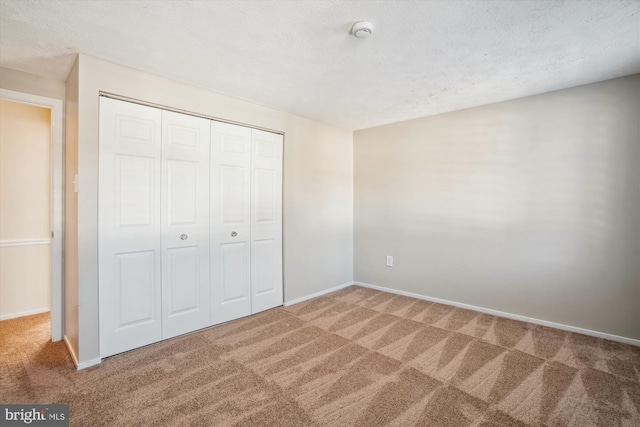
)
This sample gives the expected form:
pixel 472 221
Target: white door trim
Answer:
pixel 57 165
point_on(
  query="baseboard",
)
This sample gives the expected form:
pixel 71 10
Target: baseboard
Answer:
pixel 71 352
pixel 80 365
pixel 88 363
pixel 25 313
pixel 507 315
pixel 317 294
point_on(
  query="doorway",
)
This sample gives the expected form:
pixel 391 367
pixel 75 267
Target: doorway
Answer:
pixel 31 207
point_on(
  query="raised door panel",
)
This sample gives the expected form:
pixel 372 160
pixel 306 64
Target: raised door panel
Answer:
pixel 185 224
pixel 233 186
pixel 135 288
pixel 129 226
pixel 134 190
pixel 266 220
pixel 234 262
pixel 230 222
pixel 182 197
pixel 264 196
pixel 182 280
pixel 265 270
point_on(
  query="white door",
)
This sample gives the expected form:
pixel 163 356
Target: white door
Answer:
pixel 266 220
pixel 185 224
pixel 230 221
pixel 129 226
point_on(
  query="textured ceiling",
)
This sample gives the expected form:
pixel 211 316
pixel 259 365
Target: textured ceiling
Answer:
pixel 424 58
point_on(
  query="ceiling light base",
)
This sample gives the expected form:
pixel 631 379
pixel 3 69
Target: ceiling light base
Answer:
pixel 362 29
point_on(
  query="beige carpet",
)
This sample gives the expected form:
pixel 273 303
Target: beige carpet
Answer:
pixel 355 357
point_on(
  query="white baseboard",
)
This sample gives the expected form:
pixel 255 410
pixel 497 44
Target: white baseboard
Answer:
pixel 317 294
pixel 71 352
pixel 80 365
pixel 25 313
pixel 88 363
pixel 507 315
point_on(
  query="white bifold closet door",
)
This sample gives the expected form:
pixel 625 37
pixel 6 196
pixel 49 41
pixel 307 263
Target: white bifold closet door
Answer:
pixel 185 224
pixel 153 219
pixel 190 224
pixel 246 221
pixel 230 221
pixel 128 226
pixel 266 220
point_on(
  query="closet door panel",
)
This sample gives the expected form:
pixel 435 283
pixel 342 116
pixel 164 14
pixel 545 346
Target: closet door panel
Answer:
pixel 185 223
pixel 230 222
pixel 134 190
pixel 234 185
pixel 135 287
pixel 266 220
pixel 265 274
pixel 129 226
pixel 182 197
pixel 183 280
pixel 234 264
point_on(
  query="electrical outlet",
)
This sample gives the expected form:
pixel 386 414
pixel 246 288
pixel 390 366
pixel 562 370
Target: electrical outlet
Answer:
pixel 389 261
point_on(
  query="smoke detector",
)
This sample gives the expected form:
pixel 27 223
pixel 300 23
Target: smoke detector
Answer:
pixel 362 29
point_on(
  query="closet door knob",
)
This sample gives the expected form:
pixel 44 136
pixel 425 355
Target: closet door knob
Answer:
pixel 234 234
pixel 183 237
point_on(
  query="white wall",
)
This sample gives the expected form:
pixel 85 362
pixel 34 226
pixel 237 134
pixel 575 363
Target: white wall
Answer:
pixel 529 206
pixel 25 200
pixel 318 184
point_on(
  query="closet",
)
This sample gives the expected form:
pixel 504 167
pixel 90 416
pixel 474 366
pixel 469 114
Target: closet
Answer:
pixel 190 223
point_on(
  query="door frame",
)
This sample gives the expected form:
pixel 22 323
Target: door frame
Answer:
pixel 57 208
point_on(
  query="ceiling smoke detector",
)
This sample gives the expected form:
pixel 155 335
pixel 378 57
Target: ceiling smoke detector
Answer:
pixel 362 29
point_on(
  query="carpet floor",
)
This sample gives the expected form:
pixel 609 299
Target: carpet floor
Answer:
pixel 356 357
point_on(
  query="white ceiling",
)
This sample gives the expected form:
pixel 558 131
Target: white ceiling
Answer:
pixel 424 58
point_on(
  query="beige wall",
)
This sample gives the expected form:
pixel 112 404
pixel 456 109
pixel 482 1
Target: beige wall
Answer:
pixel 71 212
pixel 24 280
pixel 529 206
pixel 25 209
pixel 318 184
pixel 30 83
